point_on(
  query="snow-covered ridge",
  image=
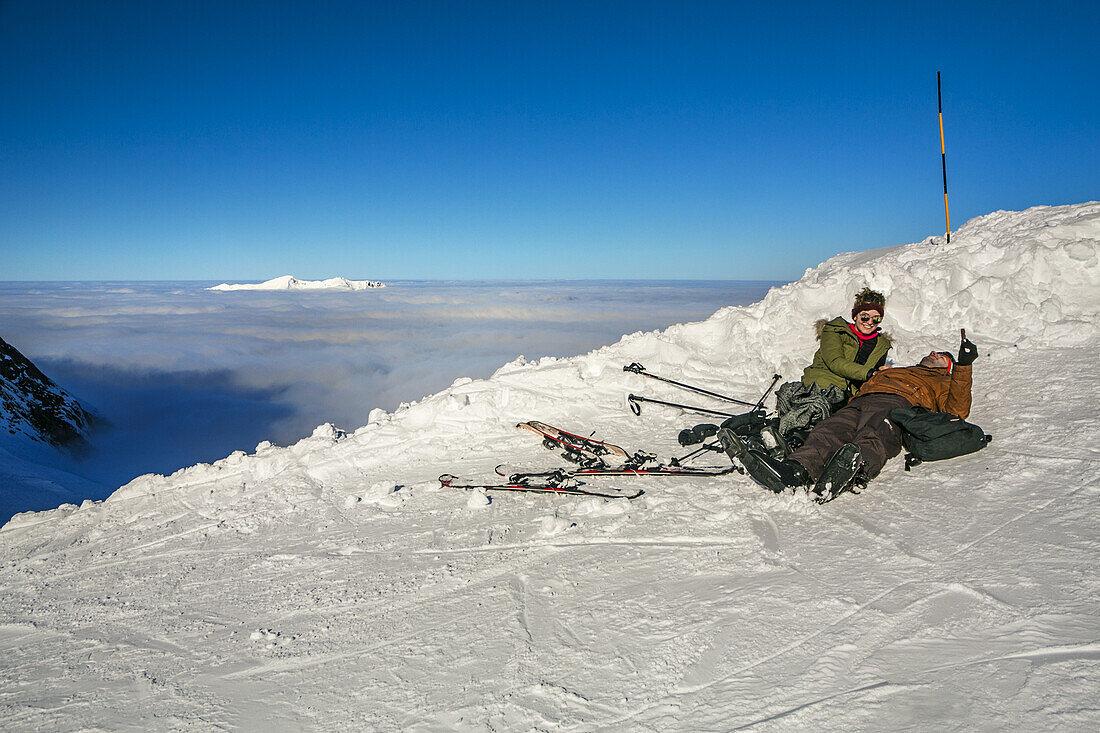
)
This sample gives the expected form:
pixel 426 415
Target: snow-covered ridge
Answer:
pixel 1028 279
pixel 289 282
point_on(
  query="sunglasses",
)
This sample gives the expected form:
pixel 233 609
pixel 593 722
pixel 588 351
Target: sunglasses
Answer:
pixel 868 318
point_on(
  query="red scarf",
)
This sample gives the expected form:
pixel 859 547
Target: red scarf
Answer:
pixel 860 336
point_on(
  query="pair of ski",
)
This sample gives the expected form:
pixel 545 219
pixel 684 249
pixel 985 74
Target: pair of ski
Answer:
pixel 591 456
pixel 563 484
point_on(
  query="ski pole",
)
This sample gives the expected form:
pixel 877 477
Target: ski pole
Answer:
pixel 702 449
pixel 637 368
pixel 775 378
pixel 634 399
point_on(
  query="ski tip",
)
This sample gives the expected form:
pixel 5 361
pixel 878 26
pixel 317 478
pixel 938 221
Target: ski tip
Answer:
pixel 447 479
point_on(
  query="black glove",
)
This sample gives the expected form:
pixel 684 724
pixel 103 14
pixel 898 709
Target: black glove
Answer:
pixel 968 352
pixel 746 424
pixel 697 434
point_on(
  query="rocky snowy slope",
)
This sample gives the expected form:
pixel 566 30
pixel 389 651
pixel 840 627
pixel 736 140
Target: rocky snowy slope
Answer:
pixel 289 282
pixel 32 405
pixel 38 419
pixel 333 584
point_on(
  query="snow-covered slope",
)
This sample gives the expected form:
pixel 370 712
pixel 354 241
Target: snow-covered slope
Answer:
pixel 289 282
pixel 335 584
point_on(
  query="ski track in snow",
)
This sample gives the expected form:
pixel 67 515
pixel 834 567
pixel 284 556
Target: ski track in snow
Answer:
pixel 334 585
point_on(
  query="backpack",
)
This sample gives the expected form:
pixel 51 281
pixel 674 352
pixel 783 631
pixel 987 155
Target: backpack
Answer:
pixel 936 436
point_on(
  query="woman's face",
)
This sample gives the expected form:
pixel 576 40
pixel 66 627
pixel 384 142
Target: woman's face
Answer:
pixel 867 322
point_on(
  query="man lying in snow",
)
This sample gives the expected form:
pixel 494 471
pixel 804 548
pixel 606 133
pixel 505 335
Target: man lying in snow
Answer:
pixel 846 450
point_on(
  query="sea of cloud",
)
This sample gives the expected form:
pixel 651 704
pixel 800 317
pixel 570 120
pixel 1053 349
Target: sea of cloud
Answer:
pixel 184 375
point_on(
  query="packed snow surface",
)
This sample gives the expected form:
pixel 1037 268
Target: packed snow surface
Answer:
pixel 334 584
pixel 289 282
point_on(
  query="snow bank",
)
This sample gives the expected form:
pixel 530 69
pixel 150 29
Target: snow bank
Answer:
pixel 289 282
pixel 1026 278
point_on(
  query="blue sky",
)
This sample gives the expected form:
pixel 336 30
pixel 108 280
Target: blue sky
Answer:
pixel 241 141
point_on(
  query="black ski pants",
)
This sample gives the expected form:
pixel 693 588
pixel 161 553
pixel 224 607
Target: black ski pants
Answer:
pixel 863 422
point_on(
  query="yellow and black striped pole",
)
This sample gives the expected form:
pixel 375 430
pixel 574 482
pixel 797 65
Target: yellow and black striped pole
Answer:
pixel 943 156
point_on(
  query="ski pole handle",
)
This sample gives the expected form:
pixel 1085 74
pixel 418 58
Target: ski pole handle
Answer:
pixel 775 378
pixel 634 399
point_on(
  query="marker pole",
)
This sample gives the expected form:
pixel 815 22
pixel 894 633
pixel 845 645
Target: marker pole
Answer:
pixel 943 156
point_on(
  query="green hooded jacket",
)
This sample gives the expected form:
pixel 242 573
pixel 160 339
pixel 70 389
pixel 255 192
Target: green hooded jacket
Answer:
pixel 834 363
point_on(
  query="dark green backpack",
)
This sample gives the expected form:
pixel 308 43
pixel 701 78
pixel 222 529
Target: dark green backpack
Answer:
pixel 936 436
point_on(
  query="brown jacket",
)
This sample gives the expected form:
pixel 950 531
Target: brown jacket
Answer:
pixel 928 387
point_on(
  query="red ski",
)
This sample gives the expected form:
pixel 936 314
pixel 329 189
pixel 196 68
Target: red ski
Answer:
pixel 565 485
pixel 571 442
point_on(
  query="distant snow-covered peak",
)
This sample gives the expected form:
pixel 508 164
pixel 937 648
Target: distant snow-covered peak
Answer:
pixel 289 282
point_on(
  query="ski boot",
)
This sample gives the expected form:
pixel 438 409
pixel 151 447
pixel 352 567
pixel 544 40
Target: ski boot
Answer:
pixel 771 473
pixel 843 472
